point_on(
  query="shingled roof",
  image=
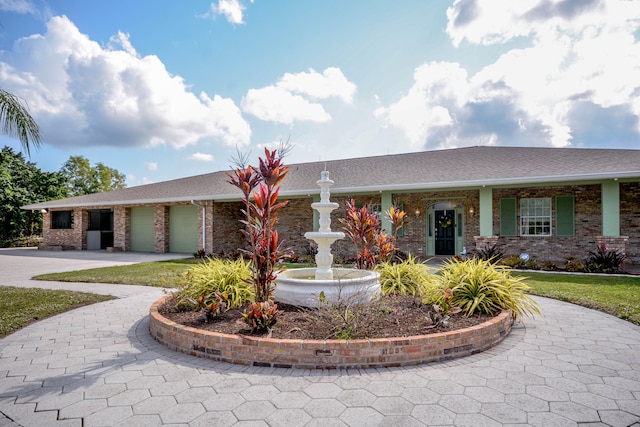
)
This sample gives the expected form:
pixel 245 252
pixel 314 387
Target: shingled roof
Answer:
pixel 442 169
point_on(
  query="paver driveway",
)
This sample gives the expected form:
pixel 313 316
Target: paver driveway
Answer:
pixel 98 366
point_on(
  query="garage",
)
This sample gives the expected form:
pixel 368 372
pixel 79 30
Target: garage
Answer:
pixel 183 229
pixel 142 229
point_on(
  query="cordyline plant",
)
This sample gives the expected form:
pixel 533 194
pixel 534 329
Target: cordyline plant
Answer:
pixel 260 187
pixel 364 229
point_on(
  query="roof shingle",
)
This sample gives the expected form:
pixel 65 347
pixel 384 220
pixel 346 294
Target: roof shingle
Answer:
pixel 461 167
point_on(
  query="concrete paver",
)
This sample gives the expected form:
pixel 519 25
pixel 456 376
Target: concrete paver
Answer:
pixel 98 366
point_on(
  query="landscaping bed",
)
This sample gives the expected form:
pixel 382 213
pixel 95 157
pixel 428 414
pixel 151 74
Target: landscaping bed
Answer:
pixel 464 336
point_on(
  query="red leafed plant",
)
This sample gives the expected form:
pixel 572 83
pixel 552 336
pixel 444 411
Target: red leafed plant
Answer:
pixel 362 227
pixel 260 187
pixel 373 245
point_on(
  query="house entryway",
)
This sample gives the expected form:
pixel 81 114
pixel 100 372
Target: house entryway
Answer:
pixel 100 231
pixel 445 232
pixel 445 229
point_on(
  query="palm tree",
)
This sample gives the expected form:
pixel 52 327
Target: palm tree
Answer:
pixel 17 122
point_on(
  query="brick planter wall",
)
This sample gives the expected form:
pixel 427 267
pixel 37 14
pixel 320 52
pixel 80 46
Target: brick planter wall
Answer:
pixel 328 354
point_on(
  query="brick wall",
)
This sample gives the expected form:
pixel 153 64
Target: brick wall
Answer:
pixel 64 238
pixel 226 236
pixel 630 218
pixel 121 227
pixel 588 223
pixel 328 354
pixel 223 235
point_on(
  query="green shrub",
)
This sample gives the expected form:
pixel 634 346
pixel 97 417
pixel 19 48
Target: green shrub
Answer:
pixel 406 278
pixel 489 253
pixel 549 266
pixel 480 286
pixel 572 264
pixel 604 261
pixel 218 280
pixel 513 261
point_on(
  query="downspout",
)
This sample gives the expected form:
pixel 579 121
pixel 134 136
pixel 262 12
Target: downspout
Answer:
pixel 204 226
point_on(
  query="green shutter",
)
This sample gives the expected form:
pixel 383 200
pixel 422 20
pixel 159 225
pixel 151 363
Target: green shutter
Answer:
pixel 565 215
pixel 508 217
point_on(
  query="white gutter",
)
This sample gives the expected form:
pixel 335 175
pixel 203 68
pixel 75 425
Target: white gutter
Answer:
pixel 204 224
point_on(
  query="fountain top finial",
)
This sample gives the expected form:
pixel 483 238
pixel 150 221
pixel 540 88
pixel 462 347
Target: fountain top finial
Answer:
pixel 324 177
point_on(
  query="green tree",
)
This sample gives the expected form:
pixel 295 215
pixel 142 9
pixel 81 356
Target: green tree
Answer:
pixel 16 121
pixel 23 183
pixel 82 178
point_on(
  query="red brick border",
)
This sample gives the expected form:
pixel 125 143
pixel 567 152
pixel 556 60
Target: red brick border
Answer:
pixel 328 354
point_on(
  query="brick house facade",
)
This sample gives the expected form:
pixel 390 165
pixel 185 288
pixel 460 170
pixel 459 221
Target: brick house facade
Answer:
pixel 578 210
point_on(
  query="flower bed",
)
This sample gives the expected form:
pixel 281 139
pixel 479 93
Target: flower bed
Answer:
pixel 328 354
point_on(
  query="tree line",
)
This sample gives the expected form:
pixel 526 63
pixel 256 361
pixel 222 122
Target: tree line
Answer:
pixel 23 183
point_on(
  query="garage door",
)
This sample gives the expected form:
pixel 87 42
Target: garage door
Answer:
pixel 183 229
pixel 142 234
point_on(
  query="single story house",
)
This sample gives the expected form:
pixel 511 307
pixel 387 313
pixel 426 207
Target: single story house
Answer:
pixel 551 203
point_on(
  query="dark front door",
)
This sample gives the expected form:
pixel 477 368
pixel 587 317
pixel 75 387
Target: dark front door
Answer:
pixel 445 232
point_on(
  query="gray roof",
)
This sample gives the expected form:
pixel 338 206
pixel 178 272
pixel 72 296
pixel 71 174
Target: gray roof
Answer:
pixel 442 169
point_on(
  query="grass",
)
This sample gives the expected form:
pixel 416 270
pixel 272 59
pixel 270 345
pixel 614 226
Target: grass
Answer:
pixel 616 295
pixel 160 274
pixel 20 307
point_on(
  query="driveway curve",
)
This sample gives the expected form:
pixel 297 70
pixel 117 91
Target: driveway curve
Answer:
pixel 98 366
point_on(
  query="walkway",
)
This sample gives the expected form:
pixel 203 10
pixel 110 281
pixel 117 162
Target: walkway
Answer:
pixel 97 366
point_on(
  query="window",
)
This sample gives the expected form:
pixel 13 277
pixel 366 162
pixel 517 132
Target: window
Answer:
pixel 61 219
pixel 535 217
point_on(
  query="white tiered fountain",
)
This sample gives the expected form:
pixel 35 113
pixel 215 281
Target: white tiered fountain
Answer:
pixel 303 286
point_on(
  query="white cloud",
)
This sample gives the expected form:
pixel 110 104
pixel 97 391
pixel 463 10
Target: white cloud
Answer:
pixel 232 10
pixel 581 53
pixel 288 100
pixel 490 22
pixel 201 157
pixel 278 105
pixel 152 166
pixel 331 83
pixel 18 6
pixel 83 94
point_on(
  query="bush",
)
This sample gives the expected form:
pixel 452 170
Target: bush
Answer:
pixel 405 278
pixel 571 264
pixel 604 261
pixel 549 266
pixel 216 278
pixel 480 286
pixel 513 261
pixel 489 253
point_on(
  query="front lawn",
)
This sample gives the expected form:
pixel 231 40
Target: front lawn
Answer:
pixel 616 295
pixel 160 274
pixel 20 307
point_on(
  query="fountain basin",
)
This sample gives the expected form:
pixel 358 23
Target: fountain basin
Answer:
pixel 298 286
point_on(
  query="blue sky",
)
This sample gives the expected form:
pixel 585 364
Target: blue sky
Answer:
pixel 164 89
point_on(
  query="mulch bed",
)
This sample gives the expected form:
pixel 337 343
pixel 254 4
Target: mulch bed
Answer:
pixel 384 318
